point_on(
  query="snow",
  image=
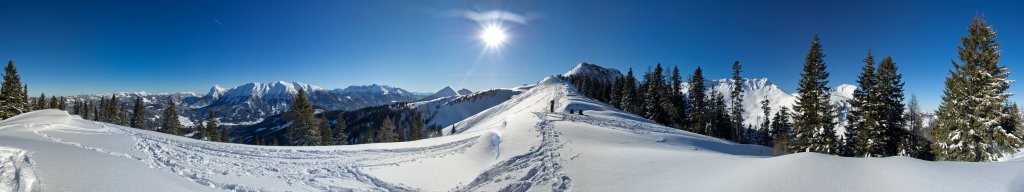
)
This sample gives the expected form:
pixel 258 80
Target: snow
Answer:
pixel 516 145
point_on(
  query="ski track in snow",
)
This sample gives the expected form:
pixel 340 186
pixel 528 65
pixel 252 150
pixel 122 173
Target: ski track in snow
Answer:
pixel 202 162
pixel 543 165
pixel 17 172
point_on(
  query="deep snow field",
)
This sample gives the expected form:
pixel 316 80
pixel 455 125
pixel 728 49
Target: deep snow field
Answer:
pixel 515 146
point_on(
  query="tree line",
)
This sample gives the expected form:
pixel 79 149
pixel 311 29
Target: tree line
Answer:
pixel 975 121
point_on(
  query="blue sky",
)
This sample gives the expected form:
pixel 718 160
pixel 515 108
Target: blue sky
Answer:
pixel 73 47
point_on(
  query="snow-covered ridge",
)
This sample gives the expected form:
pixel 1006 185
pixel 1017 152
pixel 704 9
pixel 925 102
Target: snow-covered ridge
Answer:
pixel 373 88
pixel 592 70
pixel 280 89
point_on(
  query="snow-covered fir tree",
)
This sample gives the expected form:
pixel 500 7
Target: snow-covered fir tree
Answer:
pixel 138 114
pixel 967 127
pixel 736 95
pixel 862 125
pixel 814 115
pixel 171 125
pixel 630 98
pixel 211 128
pixel 696 103
pixel 12 102
pixel 304 130
pixel 678 100
pixel 890 119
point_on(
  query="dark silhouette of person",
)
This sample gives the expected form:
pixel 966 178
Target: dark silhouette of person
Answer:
pixel 552 106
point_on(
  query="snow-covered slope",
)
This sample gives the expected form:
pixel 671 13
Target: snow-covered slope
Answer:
pixel 446 111
pixel 518 145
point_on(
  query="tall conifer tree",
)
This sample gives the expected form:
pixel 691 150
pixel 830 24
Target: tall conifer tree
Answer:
pixel 814 114
pixel 967 126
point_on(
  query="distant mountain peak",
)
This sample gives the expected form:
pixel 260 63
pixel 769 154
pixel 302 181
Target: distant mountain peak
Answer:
pixel 594 70
pixel 464 91
pixel 216 91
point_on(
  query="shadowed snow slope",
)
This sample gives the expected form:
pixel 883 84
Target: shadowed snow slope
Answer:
pixel 517 145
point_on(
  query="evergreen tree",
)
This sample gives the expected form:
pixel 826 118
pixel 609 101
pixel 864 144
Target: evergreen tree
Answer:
pixel 653 96
pixel 678 100
pixel 615 97
pixel 138 114
pixel 967 126
pixel 720 124
pixel 630 99
pixel 11 100
pixel 767 138
pixel 781 129
pixel 171 124
pixel 63 104
pixel 114 111
pixel 814 114
pixel 53 103
pixel 41 104
pixel 916 145
pixel 862 129
pixel 416 126
pixel 96 111
pixel 304 130
pixel 737 101
pixel 890 92
pixel 324 129
pixel 340 134
pixel 386 132
pixel 211 127
pixel 224 137
pixel 697 108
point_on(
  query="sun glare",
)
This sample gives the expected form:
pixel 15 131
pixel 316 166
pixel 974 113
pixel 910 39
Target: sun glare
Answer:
pixel 493 36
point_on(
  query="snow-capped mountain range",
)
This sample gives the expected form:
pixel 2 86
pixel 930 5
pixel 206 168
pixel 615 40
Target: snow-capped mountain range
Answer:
pixel 250 103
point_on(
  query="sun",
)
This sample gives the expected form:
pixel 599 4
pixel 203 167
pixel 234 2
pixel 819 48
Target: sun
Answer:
pixel 493 36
